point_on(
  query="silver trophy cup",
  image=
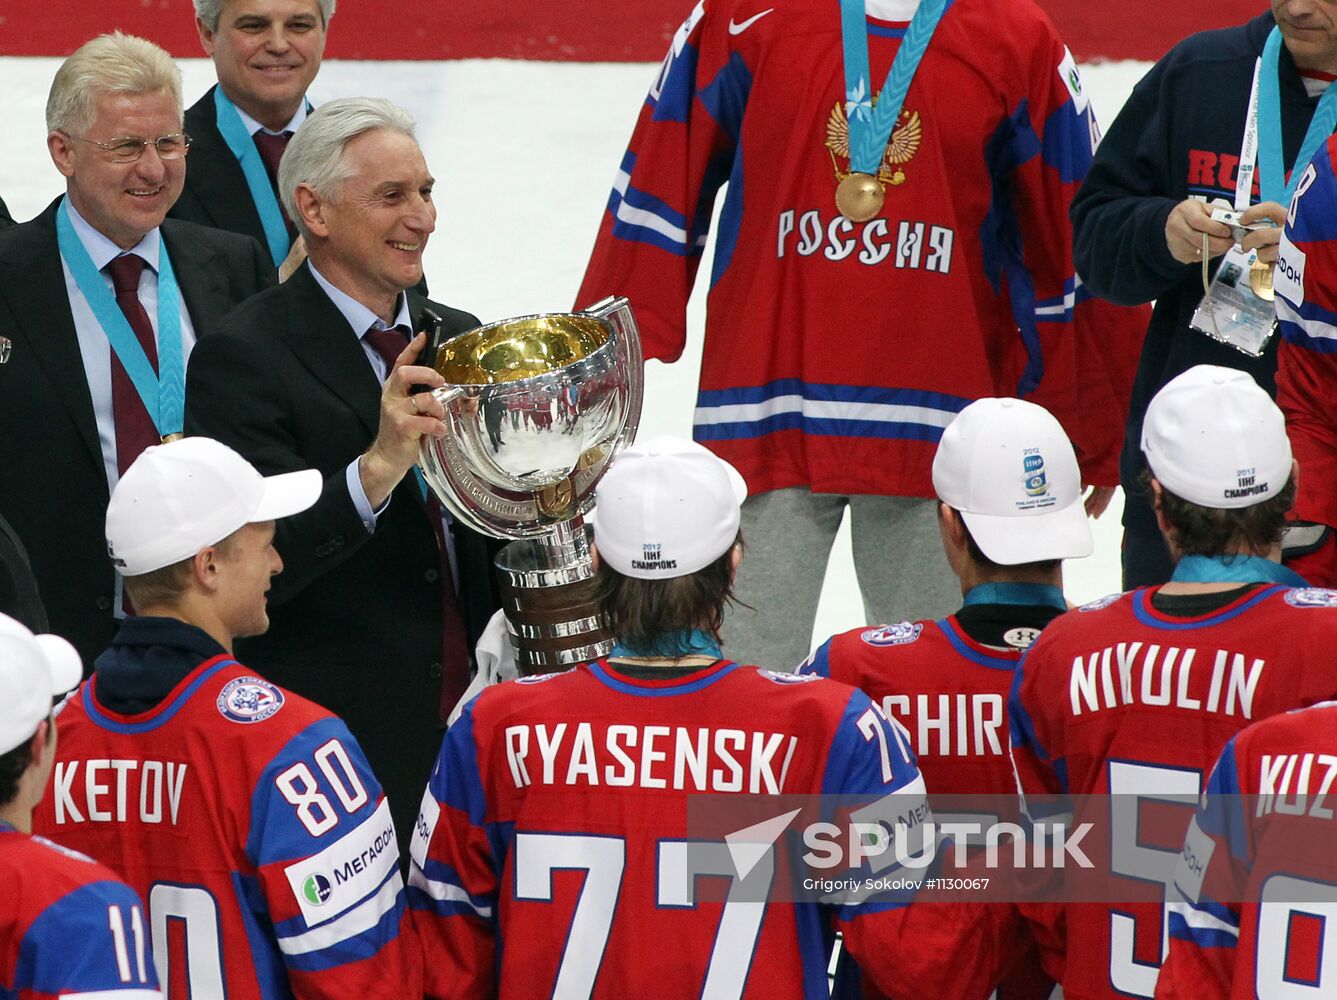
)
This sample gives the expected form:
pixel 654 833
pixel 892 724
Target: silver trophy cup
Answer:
pixel 536 408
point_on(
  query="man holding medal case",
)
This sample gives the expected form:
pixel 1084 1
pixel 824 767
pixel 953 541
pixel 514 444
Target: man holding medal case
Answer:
pixel 1227 120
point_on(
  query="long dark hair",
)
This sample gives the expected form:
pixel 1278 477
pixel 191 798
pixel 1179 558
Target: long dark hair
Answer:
pixel 640 611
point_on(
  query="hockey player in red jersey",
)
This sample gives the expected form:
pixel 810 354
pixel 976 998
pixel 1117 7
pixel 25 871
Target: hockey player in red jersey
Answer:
pixel 1306 286
pixel 1134 695
pixel 246 816
pixel 838 343
pixel 68 926
pixel 1253 889
pixel 552 854
pixel 1010 509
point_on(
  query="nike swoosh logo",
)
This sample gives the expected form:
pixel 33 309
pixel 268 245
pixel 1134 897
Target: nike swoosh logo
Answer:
pixel 735 28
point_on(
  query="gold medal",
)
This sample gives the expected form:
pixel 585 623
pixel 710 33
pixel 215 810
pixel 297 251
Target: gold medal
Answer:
pixel 169 438
pixel 1260 280
pixel 859 197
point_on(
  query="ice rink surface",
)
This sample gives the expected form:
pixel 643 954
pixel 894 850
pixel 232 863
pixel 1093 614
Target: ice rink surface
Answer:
pixel 524 155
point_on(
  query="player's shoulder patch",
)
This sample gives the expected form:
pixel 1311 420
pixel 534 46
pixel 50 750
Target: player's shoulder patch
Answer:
pixel 59 849
pixel 1072 79
pixel 540 678
pixel 1311 597
pixel 249 699
pixel 1100 602
pixel 899 634
pixel 780 677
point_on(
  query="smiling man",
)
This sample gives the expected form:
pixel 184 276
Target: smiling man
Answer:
pixel 266 53
pixel 104 302
pixel 245 816
pixel 381 594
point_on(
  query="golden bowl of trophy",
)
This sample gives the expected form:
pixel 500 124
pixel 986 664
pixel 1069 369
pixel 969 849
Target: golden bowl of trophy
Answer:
pixel 536 408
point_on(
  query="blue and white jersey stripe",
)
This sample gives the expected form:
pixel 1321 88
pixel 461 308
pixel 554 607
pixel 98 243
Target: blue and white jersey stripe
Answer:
pixel 1059 310
pixel 823 409
pixel 643 218
pixel 1310 326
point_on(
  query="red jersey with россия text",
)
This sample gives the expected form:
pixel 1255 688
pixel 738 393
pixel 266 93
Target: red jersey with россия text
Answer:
pixel 836 352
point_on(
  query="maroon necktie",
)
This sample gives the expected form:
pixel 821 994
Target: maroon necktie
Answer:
pixel 389 344
pixel 135 429
pixel 271 149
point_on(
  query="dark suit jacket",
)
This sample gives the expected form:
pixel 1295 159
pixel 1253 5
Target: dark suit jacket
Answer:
pixel 355 619
pixel 53 488
pixel 216 193
pixel 18 588
pixel 5 218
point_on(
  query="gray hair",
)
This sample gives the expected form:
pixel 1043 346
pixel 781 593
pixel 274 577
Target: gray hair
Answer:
pixel 109 64
pixel 211 11
pixel 315 155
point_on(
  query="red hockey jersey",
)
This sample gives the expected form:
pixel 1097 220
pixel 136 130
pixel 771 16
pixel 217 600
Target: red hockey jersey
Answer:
pixel 836 352
pixel 1117 698
pixel 950 693
pixel 1254 887
pixel 69 927
pixel 947 690
pixel 556 855
pixel 1306 285
pixel 250 822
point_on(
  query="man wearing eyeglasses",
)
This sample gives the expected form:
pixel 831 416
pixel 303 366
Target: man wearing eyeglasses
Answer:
pixel 266 54
pixel 103 302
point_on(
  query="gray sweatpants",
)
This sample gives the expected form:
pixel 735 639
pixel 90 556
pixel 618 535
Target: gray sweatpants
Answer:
pixel 787 537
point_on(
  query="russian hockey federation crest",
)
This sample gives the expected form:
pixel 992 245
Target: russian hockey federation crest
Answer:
pixel 249 699
pixel 892 635
pixel 1311 597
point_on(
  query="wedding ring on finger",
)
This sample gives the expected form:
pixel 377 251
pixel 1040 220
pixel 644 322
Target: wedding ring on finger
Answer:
pixel 416 408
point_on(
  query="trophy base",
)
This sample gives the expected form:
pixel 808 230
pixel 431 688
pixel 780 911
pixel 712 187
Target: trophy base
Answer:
pixel 551 612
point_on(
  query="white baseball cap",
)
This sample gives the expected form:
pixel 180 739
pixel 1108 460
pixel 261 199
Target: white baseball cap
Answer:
pixel 1213 437
pixel 667 508
pixel 1007 466
pixel 33 670
pixel 178 498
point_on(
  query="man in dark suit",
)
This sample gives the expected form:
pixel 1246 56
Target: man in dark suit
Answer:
pixel 382 598
pixel 266 53
pixel 103 302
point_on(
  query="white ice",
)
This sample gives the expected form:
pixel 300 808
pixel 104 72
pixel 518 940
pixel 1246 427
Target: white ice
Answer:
pixel 524 155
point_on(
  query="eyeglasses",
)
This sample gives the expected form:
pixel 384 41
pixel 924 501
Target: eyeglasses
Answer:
pixel 129 148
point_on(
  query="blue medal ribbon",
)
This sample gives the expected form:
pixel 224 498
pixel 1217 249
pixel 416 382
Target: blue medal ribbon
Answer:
pixel 671 645
pixel 1016 593
pixel 1234 569
pixel 257 178
pixel 163 393
pixel 1272 182
pixel 870 127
